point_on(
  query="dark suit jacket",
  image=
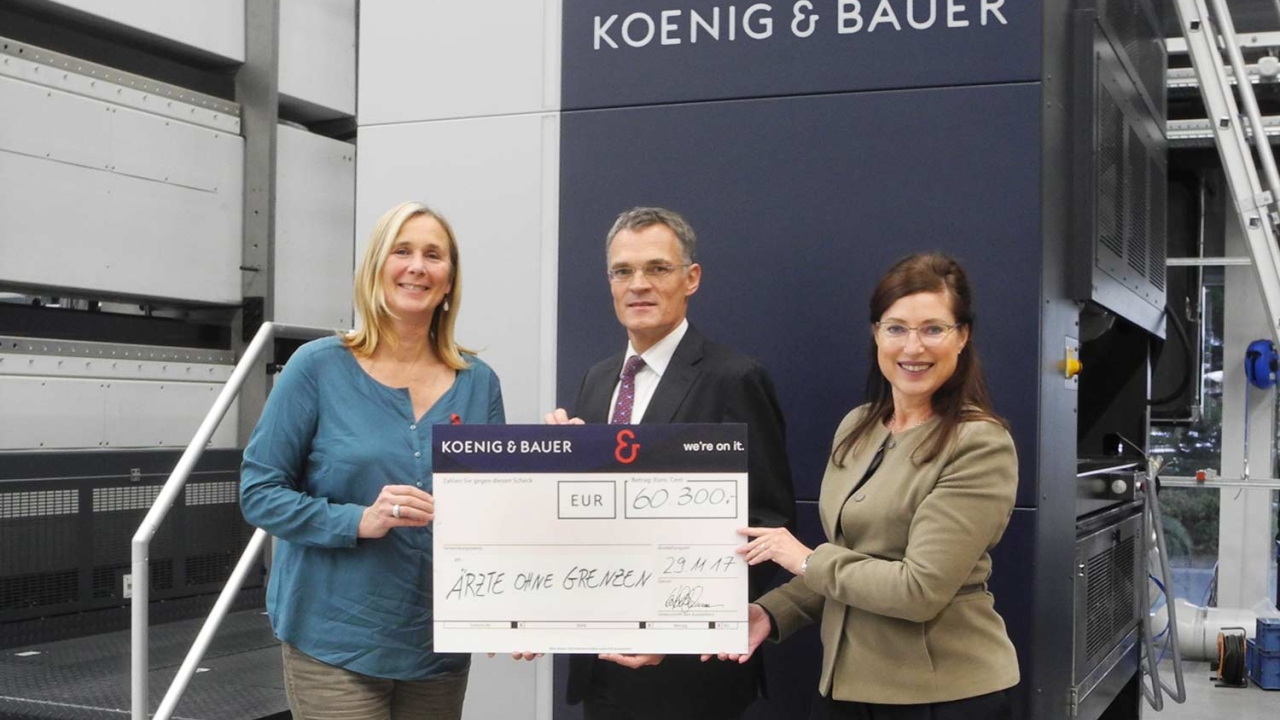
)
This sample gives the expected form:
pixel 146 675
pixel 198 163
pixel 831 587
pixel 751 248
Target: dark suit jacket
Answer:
pixel 705 383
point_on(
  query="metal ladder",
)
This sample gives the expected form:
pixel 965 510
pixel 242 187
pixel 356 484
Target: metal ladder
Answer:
pixel 139 664
pixel 1207 35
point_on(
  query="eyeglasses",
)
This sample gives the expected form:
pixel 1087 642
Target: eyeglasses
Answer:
pixel 893 333
pixel 624 274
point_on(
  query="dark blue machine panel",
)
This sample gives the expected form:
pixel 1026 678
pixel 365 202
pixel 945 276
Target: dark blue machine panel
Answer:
pixel 636 52
pixel 800 204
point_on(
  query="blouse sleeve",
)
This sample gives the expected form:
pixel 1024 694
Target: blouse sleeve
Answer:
pixel 271 476
pixel 497 413
pixel 954 526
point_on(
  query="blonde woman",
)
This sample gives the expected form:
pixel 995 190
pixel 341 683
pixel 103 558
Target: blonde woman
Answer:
pixel 339 471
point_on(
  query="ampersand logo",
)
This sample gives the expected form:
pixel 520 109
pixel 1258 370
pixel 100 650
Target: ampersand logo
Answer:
pixel 623 437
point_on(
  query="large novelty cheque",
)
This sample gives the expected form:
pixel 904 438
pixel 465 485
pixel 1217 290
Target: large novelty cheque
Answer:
pixel 590 538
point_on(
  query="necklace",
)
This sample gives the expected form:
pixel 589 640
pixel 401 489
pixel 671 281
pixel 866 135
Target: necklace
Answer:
pixel 913 425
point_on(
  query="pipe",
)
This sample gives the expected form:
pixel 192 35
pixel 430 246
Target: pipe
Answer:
pixel 1198 627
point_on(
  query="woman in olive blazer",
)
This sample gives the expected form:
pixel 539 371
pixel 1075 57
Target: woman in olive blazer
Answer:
pixel 919 487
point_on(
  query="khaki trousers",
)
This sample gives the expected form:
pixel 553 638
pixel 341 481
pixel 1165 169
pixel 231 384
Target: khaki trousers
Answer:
pixel 318 691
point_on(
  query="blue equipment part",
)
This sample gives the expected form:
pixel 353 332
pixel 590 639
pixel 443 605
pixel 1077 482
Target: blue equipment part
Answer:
pixel 1261 363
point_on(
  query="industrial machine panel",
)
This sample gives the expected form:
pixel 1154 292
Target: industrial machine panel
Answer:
pixel 1108 599
pixel 1121 180
pixel 66 522
pixel 315 219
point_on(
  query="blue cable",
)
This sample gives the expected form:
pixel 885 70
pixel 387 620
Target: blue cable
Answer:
pixel 1155 606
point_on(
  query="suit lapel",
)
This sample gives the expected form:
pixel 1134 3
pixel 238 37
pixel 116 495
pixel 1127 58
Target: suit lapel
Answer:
pixel 677 380
pixel 833 501
pixel 597 392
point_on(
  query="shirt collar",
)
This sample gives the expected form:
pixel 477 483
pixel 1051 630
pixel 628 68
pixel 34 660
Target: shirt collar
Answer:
pixel 658 357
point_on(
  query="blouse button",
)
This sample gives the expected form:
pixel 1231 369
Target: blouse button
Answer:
pixel 413 427
pixel 419 484
pixel 859 497
pixel 417 454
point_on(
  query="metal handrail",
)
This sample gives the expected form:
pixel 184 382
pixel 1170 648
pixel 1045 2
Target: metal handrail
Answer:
pixel 1226 27
pixel 160 508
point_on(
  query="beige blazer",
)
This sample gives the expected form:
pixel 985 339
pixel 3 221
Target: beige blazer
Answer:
pixel 900 590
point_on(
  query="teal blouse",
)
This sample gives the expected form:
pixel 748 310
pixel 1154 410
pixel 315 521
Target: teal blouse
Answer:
pixel 329 439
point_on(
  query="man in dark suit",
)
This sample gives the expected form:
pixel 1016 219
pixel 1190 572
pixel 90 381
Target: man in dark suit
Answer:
pixel 670 373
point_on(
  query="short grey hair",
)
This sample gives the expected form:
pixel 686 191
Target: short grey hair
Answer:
pixel 640 218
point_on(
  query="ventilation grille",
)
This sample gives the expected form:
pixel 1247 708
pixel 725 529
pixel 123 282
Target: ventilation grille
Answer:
pixel 1135 33
pixel 39 503
pixel 1159 224
pixel 1110 185
pixel 38 589
pixel 1110 599
pixel 1129 193
pixel 108 580
pixel 209 569
pixel 213 493
pixel 125 498
pixel 1138 207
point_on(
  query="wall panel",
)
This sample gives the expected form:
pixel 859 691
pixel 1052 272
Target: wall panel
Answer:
pixel 211 26
pixel 486 176
pixel 437 59
pixel 318 56
pixel 315 215
pixel 110 200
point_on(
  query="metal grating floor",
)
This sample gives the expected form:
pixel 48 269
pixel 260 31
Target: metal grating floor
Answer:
pixel 88 678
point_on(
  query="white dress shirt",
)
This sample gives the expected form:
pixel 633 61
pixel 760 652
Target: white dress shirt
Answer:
pixel 656 360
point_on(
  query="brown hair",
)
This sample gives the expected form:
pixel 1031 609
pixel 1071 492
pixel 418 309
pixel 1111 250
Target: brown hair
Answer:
pixel 371 301
pixel 963 397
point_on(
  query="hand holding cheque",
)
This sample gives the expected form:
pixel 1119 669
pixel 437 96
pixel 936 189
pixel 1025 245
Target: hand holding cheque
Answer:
pixel 396 506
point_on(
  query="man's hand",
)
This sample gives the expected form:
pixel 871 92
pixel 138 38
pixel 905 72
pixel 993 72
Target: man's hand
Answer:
pixel 776 544
pixel 633 661
pixel 560 416
pixel 522 655
pixel 758 629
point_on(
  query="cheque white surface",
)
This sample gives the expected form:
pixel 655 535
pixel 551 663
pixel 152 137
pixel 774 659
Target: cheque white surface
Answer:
pixel 590 562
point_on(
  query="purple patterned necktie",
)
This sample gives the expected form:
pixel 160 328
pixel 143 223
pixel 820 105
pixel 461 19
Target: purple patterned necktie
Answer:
pixel 627 391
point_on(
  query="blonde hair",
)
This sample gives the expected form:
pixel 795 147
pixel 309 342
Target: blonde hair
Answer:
pixel 371 299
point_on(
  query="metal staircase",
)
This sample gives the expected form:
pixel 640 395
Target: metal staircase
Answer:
pixel 1207 35
pixel 140 639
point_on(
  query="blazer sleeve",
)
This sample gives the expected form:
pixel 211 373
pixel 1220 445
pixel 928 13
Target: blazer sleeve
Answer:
pixel 271 475
pixel 954 526
pixel 791 607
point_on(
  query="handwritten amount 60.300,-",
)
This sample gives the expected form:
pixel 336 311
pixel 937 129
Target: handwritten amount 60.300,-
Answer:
pixel 649 498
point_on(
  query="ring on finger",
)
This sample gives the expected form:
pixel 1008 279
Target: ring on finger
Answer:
pixel 395 511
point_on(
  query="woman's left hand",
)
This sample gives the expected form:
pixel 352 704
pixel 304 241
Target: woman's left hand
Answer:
pixel 776 544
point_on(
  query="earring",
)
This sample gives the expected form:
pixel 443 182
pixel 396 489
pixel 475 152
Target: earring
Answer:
pixel 446 303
